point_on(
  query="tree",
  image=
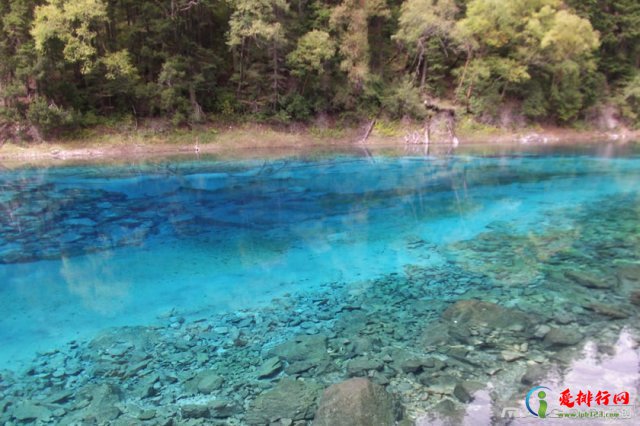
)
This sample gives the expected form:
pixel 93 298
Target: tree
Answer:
pixel 73 23
pixel 254 26
pixel 618 22
pixel 17 57
pixel 424 27
pixel 314 49
pixel 512 43
pixel 350 20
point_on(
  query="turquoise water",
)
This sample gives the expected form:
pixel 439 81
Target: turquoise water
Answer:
pixel 336 266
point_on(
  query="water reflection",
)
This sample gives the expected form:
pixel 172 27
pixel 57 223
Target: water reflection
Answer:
pixel 613 368
pixel 93 281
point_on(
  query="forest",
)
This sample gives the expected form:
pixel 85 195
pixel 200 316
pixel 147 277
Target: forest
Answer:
pixel 67 64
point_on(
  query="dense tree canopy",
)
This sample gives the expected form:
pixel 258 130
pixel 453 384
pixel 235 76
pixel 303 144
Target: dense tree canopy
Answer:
pixel 69 63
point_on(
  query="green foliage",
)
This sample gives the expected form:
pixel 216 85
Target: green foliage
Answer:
pixel 618 22
pixel 297 107
pixel 351 22
pixel 71 22
pixel 277 61
pixel 511 42
pixel 49 117
pixel 403 99
pixel 629 101
pixel 256 21
pixel 314 49
pixel 118 65
pixel 426 29
pixel 387 128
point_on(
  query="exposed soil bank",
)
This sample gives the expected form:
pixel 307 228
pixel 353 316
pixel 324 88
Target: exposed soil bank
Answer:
pixel 263 141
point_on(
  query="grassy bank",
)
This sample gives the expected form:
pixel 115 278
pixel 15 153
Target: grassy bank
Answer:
pixel 110 143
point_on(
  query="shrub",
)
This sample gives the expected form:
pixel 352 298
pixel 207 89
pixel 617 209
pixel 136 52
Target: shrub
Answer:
pixel 48 117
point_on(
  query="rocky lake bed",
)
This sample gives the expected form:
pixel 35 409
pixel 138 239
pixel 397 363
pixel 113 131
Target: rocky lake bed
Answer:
pixel 546 299
pixel 498 315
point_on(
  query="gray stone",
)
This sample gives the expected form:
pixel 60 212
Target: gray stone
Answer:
pixel 446 407
pixel 147 415
pixel 464 390
pixel 60 397
pixel 29 411
pixel 541 331
pixel 362 345
pixel 380 379
pixel 222 408
pixel 195 411
pixel 534 375
pixel 564 318
pixel 511 356
pixel 362 365
pixel 208 381
pixel 102 402
pixel 567 336
pixel 299 367
pixel 311 348
pixel 629 275
pixel 269 368
pixel 412 365
pixel 441 385
pixel 356 402
pixel 635 298
pixel 290 399
pixel 587 280
pixel 476 313
pixel 608 311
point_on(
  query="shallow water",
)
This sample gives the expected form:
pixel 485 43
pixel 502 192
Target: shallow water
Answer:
pixel 219 265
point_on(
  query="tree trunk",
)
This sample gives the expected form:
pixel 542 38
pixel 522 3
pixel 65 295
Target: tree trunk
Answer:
pixel 197 109
pixel 368 132
pixel 275 75
pixel 241 79
pixel 423 77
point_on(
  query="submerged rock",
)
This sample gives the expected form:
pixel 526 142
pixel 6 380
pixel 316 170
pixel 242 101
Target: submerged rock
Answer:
pixel 362 365
pixel 29 411
pixel 216 409
pixel 478 313
pixel 464 390
pixel 195 411
pixel 221 409
pixel 102 403
pixel 356 402
pixel 589 281
pixel 290 399
pixel 629 275
pixel 511 356
pixel 534 374
pixel 209 381
pixel 566 336
pixel 310 348
pixel 270 368
pixel 608 311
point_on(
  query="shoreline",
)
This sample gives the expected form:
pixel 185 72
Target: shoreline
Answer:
pixel 249 141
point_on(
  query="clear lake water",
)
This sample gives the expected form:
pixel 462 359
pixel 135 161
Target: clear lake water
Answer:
pixel 217 291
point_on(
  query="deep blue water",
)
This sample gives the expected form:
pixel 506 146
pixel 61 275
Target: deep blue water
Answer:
pixel 85 248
